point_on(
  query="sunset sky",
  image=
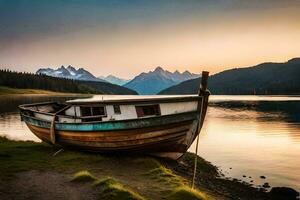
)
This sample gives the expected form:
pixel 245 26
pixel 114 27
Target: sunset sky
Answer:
pixel 127 37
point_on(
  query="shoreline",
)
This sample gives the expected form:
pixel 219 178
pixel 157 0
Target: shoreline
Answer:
pixel 17 91
pixel 209 178
pixel 150 177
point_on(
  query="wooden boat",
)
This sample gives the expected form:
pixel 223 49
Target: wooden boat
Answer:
pixel 157 124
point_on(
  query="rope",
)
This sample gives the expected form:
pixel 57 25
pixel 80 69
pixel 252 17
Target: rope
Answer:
pixel 197 142
pixel 57 152
pixel 195 165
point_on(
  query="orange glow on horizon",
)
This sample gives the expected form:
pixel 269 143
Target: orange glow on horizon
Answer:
pixel 225 41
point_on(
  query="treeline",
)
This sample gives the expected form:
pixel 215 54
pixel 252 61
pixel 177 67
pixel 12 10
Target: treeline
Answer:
pixel 24 80
pixel 263 79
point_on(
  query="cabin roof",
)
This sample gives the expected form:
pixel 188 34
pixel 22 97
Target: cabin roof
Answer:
pixel 126 99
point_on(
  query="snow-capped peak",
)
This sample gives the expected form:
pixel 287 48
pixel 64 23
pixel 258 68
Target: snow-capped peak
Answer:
pixel 70 73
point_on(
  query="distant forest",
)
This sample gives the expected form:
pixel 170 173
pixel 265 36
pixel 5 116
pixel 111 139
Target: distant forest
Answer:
pixel 24 80
pixel 263 79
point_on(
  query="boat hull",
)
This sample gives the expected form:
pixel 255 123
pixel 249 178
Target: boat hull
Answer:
pixel 173 133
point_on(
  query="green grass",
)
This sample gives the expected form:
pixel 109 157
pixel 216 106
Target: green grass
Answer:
pixel 165 175
pixel 146 175
pixel 23 156
pixel 185 192
pixel 83 176
pixel 179 189
pixel 110 189
pixel 147 162
pixel 105 182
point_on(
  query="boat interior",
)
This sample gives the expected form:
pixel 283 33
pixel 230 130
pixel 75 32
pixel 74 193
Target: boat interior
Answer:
pixel 47 108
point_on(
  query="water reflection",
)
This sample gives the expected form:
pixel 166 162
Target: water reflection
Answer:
pixel 288 111
pixel 254 138
pixel 12 128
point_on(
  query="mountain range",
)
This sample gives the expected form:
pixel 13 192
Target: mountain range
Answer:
pixel 114 80
pixel 157 80
pixel 145 83
pixel 69 73
pixel 265 78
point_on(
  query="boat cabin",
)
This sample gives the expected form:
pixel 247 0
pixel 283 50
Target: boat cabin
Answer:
pixel 114 107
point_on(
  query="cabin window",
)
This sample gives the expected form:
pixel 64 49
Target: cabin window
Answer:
pixel 98 111
pixel 148 110
pixel 92 111
pixel 117 109
pixel 85 111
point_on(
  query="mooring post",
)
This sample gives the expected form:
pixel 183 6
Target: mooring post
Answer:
pixel 204 79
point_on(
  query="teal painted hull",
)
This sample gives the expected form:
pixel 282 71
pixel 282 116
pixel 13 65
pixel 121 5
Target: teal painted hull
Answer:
pixel 115 125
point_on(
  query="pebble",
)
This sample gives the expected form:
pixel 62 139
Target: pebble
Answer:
pixel 262 177
pixel 266 185
pixel 284 193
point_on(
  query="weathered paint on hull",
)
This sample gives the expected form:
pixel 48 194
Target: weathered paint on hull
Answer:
pixel 165 139
pixel 115 125
pixel 163 134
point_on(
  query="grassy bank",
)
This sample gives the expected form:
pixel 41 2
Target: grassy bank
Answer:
pixel 30 170
pixel 9 91
pixel 36 171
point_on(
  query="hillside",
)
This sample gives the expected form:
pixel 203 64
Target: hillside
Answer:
pixel 109 88
pixel 265 78
pixel 157 80
pixel 22 80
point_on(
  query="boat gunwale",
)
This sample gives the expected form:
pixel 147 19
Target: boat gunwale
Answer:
pixel 164 99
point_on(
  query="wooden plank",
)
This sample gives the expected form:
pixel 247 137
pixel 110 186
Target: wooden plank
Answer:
pixel 174 144
pixel 41 133
pixel 129 137
pixel 177 138
pixel 116 144
pixel 109 136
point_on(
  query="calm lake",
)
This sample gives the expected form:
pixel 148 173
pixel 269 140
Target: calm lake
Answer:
pixel 243 135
